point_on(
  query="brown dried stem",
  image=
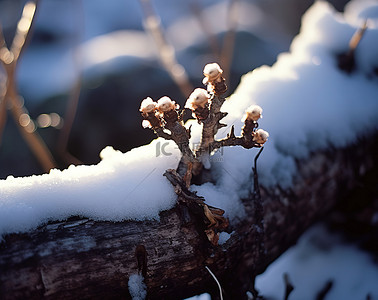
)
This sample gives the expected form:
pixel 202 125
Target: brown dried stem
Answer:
pixel 346 61
pixel 74 96
pixel 204 24
pixel 232 140
pixel 167 55
pixel 9 61
pixel 229 39
pixel 210 216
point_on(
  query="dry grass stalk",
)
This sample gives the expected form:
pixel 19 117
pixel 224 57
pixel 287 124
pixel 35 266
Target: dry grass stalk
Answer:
pixel 167 55
pixel 73 100
pixel 9 61
pixel 229 39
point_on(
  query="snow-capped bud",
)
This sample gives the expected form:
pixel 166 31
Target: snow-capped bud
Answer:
pixel 253 113
pixel 260 136
pixel 212 71
pixel 165 104
pixel 147 106
pixel 198 98
pixel 146 124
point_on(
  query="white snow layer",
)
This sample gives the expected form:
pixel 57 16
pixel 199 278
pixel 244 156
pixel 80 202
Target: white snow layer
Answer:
pixel 121 186
pixel 318 257
pixel 137 287
pixel 308 104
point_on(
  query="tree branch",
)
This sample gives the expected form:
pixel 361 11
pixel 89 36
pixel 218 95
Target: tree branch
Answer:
pixel 82 258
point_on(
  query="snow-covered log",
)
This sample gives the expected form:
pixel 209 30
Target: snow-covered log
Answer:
pixel 81 258
pixel 130 223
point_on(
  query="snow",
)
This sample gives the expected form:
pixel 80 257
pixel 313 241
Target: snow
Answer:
pixel 308 105
pixel 117 188
pixel 318 257
pixel 137 287
pixel 200 297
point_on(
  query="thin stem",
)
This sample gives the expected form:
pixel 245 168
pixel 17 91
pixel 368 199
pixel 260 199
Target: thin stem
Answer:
pixel 9 60
pixel 196 9
pixel 216 280
pixel 229 39
pixel 23 28
pixel 288 286
pixel 73 100
pixel 3 112
pixel 256 186
pixel 167 54
pixel 31 137
pixel 356 38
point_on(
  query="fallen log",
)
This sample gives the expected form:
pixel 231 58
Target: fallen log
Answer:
pixel 81 258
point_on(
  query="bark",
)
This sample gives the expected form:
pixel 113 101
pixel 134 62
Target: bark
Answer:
pixel 81 258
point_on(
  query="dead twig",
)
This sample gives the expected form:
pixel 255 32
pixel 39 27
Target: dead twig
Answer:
pixel 167 54
pixel 9 61
pixel 229 39
pixel 210 37
pixel 210 216
pixel 73 99
pixel 324 291
pixel 289 287
pixel 346 61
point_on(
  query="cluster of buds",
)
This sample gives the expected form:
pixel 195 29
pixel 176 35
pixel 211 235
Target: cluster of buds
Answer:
pixel 213 79
pixel 249 130
pixel 163 117
pixel 155 114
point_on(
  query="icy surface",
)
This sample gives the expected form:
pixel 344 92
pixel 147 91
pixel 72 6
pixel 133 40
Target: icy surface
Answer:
pixel 308 104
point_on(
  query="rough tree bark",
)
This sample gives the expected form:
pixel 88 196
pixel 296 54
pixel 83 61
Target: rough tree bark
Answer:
pixel 84 259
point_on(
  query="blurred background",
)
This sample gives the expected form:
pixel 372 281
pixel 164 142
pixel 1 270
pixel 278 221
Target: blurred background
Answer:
pixel 88 64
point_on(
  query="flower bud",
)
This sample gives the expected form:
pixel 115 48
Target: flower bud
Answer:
pixel 165 104
pixel 212 71
pixel 253 113
pixel 260 136
pixel 198 98
pixel 146 124
pixel 147 106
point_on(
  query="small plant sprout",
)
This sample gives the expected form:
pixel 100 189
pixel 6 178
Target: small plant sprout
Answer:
pixel 165 119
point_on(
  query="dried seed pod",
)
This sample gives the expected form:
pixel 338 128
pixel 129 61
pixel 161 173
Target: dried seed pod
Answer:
pixel 260 136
